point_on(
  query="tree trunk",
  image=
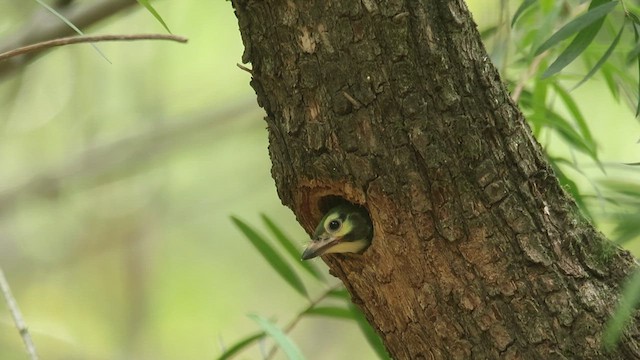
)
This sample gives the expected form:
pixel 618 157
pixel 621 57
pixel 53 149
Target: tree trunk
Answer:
pixel 477 251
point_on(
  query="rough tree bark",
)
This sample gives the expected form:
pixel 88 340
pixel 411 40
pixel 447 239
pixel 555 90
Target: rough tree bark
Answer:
pixel 478 252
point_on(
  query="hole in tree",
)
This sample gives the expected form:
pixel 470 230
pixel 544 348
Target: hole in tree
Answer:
pixel 327 203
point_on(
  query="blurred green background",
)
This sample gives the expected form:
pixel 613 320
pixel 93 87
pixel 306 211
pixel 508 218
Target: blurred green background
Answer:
pixel 117 182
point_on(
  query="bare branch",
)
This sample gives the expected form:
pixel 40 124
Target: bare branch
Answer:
pixel 86 39
pixel 245 68
pixel 44 26
pixel 17 317
pixel 101 162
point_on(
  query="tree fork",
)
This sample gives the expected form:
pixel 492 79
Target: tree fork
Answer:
pixel 478 252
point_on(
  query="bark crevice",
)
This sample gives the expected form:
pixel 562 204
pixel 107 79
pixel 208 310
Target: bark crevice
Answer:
pixel 478 252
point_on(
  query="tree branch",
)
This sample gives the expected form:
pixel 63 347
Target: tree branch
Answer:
pixel 100 161
pixel 17 317
pixel 44 26
pixel 34 48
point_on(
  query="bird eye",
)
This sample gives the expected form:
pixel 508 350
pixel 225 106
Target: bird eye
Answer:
pixel 334 225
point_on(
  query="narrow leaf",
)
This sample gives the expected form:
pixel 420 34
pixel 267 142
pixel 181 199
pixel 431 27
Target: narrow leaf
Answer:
pixel 341 293
pixel 578 44
pixel 624 312
pixel 272 257
pixel 627 227
pixel 570 186
pixel 372 337
pixel 637 37
pixel 544 28
pixel 240 345
pixel 630 189
pixel 331 311
pixel 612 84
pixel 290 247
pixel 153 12
pixel 575 112
pixel 537 102
pixel 488 32
pixel 633 54
pixel 285 343
pixel 603 59
pixel 521 9
pixel 569 134
pixel 577 24
pixel 71 25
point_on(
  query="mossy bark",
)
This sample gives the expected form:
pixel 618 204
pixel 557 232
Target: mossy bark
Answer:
pixel 478 252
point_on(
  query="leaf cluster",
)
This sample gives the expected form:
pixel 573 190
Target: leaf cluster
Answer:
pixel 605 35
pixel 552 43
pixel 282 254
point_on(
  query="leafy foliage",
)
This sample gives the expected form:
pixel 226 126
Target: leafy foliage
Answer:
pixel 628 304
pixel 70 24
pixel 610 25
pixel 316 307
pixel 599 33
pixel 585 26
pixel 271 255
pixel 287 345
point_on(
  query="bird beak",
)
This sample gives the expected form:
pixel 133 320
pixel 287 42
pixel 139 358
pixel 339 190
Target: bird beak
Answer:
pixel 319 246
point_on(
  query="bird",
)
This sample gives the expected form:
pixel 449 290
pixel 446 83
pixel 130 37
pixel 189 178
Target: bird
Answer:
pixel 346 228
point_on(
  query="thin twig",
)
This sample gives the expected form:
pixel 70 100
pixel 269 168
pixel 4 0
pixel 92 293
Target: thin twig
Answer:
pixel 531 71
pixel 42 26
pixel 356 104
pixel 244 68
pixel 298 317
pixel 86 39
pixel 103 161
pixel 17 317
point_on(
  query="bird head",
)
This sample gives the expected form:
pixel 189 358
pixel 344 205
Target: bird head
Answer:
pixel 345 228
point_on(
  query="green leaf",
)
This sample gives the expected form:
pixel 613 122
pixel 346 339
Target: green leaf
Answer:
pixel 637 37
pixel 544 28
pixel 290 247
pixel 341 293
pixel 272 257
pixel 569 134
pixel 590 17
pixel 630 189
pixel 331 311
pixel 569 184
pixel 536 101
pixel 521 9
pixel 60 16
pixel 285 343
pixel 153 12
pixel 577 116
pixel 71 25
pixel 627 306
pixel 603 59
pixel 627 227
pixel 612 84
pixel 579 43
pixel 633 54
pixel 488 32
pixel 240 345
pixel 372 337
